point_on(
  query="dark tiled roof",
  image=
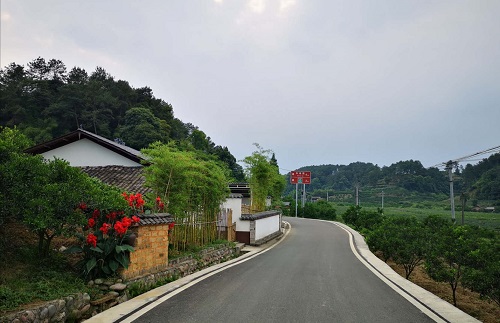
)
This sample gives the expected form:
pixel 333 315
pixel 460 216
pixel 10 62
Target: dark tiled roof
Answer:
pixel 78 134
pixel 129 179
pixel 158 218
pixel 240 188
pixel 260 215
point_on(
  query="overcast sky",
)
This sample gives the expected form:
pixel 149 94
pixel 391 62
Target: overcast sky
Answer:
pixel 316 81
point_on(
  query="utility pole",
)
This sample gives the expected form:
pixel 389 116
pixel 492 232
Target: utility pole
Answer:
pixel 463 199
pixel 304 195
pixel 382 199
pixel 449 168
pixel 357 194
pixel 296 198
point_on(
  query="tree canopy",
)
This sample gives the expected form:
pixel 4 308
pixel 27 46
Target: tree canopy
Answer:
pixel 263 175
pixel 44 101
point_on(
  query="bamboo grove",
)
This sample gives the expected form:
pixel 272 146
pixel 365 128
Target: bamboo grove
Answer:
pixel 193 187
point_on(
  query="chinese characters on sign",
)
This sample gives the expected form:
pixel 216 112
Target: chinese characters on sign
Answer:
pixel 300 177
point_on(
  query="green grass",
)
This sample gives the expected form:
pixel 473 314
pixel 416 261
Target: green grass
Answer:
pixel 26 279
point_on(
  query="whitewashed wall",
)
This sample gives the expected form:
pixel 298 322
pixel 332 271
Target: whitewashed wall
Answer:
pixel 267 226
pixel 235 205
pixel 85 152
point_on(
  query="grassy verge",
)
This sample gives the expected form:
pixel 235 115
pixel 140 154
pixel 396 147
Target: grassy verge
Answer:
pixel 27 279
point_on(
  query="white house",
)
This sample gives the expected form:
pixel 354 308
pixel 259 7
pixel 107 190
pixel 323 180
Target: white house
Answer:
pixel 113 163
pixel 82 148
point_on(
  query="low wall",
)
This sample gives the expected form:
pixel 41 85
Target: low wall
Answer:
pixel 80 305
pixel 151 245
pixel 262 227
pixel 151 251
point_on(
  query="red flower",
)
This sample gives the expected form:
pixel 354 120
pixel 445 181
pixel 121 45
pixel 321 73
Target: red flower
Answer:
pixel 92 240
pixel 111 216
pixel 82 206
pixel 105 227
pixel 126 222
pixel 120 228
pixel 139 202
pixel 96 214
pixel 135 219
pixel 171 226
pixel 91 222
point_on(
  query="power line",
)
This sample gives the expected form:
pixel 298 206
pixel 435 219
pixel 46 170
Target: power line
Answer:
pixel 449 165
pixel 468 157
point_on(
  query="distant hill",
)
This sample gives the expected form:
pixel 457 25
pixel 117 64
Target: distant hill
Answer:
pixel 403 179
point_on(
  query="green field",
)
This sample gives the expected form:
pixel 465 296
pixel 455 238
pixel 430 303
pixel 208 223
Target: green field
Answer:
pixel 482 219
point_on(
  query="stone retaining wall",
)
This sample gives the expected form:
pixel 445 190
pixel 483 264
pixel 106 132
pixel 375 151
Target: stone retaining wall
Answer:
pixel 77 307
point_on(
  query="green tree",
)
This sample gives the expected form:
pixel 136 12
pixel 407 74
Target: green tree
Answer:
pixel 451 254
pixel 225 156
pixel 193 186
pixel 264 178
pixel 361 219
pixel 401 238
pixel 483 270
pixel 12 143
pixel 320 210
pixel 13 95
pixel 43 194
pixel 140 128
pixel 56 191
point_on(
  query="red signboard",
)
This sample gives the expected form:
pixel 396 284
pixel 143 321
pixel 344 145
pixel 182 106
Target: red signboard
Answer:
pixel 300 177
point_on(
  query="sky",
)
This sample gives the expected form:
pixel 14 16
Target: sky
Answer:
pixel 315 81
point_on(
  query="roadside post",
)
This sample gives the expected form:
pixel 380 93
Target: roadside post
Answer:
pixel 300 177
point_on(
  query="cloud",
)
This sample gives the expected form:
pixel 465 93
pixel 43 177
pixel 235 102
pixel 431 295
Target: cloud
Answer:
pixel 257 6
pixel 5 16
pixel 286 4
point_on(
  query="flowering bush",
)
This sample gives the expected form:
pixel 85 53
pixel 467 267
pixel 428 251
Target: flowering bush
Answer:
pixel 105 239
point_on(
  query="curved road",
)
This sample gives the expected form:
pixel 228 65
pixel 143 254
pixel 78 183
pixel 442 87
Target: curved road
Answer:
pixel 311 276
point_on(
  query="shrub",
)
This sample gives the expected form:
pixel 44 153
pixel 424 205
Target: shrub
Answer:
pixel 106 238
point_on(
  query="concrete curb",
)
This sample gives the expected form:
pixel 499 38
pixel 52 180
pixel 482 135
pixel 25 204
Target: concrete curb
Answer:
pixel 444 311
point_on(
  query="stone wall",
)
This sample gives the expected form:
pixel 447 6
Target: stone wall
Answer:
pixel 80 306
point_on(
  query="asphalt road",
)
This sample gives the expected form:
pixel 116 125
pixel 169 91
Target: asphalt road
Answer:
pixel 311 276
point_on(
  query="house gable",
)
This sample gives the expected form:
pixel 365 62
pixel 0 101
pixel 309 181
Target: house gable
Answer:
pixel 87 153
pixel 82 148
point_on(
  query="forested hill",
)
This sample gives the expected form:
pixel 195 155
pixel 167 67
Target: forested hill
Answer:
pixel 480 181
pixel 46 101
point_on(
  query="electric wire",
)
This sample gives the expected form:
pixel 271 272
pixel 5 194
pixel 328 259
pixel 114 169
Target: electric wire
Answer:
pixel 469 157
